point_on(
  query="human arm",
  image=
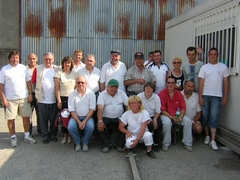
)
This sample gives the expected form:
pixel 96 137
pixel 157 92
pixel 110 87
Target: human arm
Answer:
pixel 29 87
pixel 102 87
pixel 4 100
pixel 200 90
pixel 89 115
pixel 101 124
pixel 75 117
pixel 154 120
pixel 225 90
pixel 57 92
pixel 134 81
pixel 197 117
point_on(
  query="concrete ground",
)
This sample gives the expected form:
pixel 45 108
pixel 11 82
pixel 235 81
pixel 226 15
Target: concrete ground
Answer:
pixel 60 161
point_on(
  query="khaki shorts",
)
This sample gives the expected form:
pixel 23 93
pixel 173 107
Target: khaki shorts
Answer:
pixel 19 107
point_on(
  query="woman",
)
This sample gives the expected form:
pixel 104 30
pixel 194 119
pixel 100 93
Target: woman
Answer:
pixel 136 119
pixel 177 73
pixel 64 85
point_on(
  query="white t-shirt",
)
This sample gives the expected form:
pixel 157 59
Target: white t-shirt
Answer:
pixel 82 105
pixel 213 75
pixel 48 86
pixel 92 79
pixel 112 105
pixel 152 105
pixel 134 121
pixel 109 72
pixel 192 105
pixel 14 79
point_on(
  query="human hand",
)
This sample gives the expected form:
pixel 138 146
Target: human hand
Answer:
pixel 30 98
pixel 155 124
pixel 59 105
pixel 101 126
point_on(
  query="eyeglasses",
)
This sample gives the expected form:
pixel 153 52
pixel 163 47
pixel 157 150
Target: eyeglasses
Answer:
pixel 80 82
pixel 176 62
pixel 170 82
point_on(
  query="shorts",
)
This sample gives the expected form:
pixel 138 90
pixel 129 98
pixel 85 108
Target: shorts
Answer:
pixel 19 107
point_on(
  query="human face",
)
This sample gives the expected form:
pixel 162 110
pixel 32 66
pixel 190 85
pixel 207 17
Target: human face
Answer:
pixel 112 90
pixel 177 63
pixel 78 57
pixel 189 87
pixel 81 83
pixel 32 60
pixel 90 62
pixel 139 62
pixel 171 84
pixel 157 58
pixel 67 65
pixel 135 105
pixel 48 60
pixel 115 58
pixel 14 60
pixel 191 56
pixel 150 57
pixel 148 91
pixel 213 56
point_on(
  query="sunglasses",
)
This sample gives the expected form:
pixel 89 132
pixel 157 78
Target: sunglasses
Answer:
pixel 80 82
pixel 170 82
pixel 176 62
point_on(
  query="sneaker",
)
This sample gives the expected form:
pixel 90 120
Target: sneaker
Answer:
pixel 118 148
pixel 64 140
pixel 207 140
pixel 85 148
pixel 69 140
pixel 78 148
pixel 165 148
pixel 188 148
pixel 14 142
pixel 213 145
pixel 156 148
pixel 107 149
pixel 151 154
pixel 30 140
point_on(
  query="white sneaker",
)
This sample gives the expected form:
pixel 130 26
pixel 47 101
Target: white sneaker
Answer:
pixel 64 140
pixel 14 142
pixel 78 148
pixel 30 140
pixel 213 145
pixel 207 140
pixel 69 139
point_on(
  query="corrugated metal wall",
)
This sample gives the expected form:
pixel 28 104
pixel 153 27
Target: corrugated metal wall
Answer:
pixel 95 26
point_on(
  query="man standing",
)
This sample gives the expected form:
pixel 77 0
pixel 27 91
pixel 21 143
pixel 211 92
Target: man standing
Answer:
pixel 193 108
pixel 81 104
pixel 111 104
pixel 149 60
pixel 160 71
pixel 78 64
pixel 15 90
pixel 213 93
pixel 192 67
pixel 171 101
pixel 137 76
pixel 43 79
pixel 114 69
pixel 32 64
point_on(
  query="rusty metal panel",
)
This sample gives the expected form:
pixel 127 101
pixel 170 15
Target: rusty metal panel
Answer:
pixel 185 5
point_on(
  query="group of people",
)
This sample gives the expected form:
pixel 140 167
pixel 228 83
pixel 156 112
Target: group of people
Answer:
pixel 141 103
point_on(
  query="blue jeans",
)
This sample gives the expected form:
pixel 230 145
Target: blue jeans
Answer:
pixel 74 130
pixel 211 110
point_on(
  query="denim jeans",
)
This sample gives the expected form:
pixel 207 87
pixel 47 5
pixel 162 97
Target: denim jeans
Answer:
pixel 211 110
pixel 74 130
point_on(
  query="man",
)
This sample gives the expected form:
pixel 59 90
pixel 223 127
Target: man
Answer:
pixel 137 76
pixel 152 104
pixel 81 104
pixel 43 79
pixel 171 101
pixel 111 104
pixel 78 55
pixel 149 60
pixel 15 90
pixel 160 71
pixel 192 67
pixel 91 73
pixel 193 110
pixel 113 69
pixel 32 64
pixel 213 93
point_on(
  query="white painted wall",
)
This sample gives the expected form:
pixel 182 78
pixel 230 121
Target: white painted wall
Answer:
pixel 180 35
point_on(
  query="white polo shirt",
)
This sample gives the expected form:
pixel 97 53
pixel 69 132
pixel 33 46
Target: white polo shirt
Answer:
pixel 112 105
pixel 109 72
pixel 192 105
pixel 152 105
pixel 82 105
pixel 80 66
pixel 134 121
pixel 92 79
pixel 14 79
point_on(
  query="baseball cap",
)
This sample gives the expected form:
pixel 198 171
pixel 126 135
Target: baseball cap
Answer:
pixel 138 55
pixel 113 82
pixel 115 52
